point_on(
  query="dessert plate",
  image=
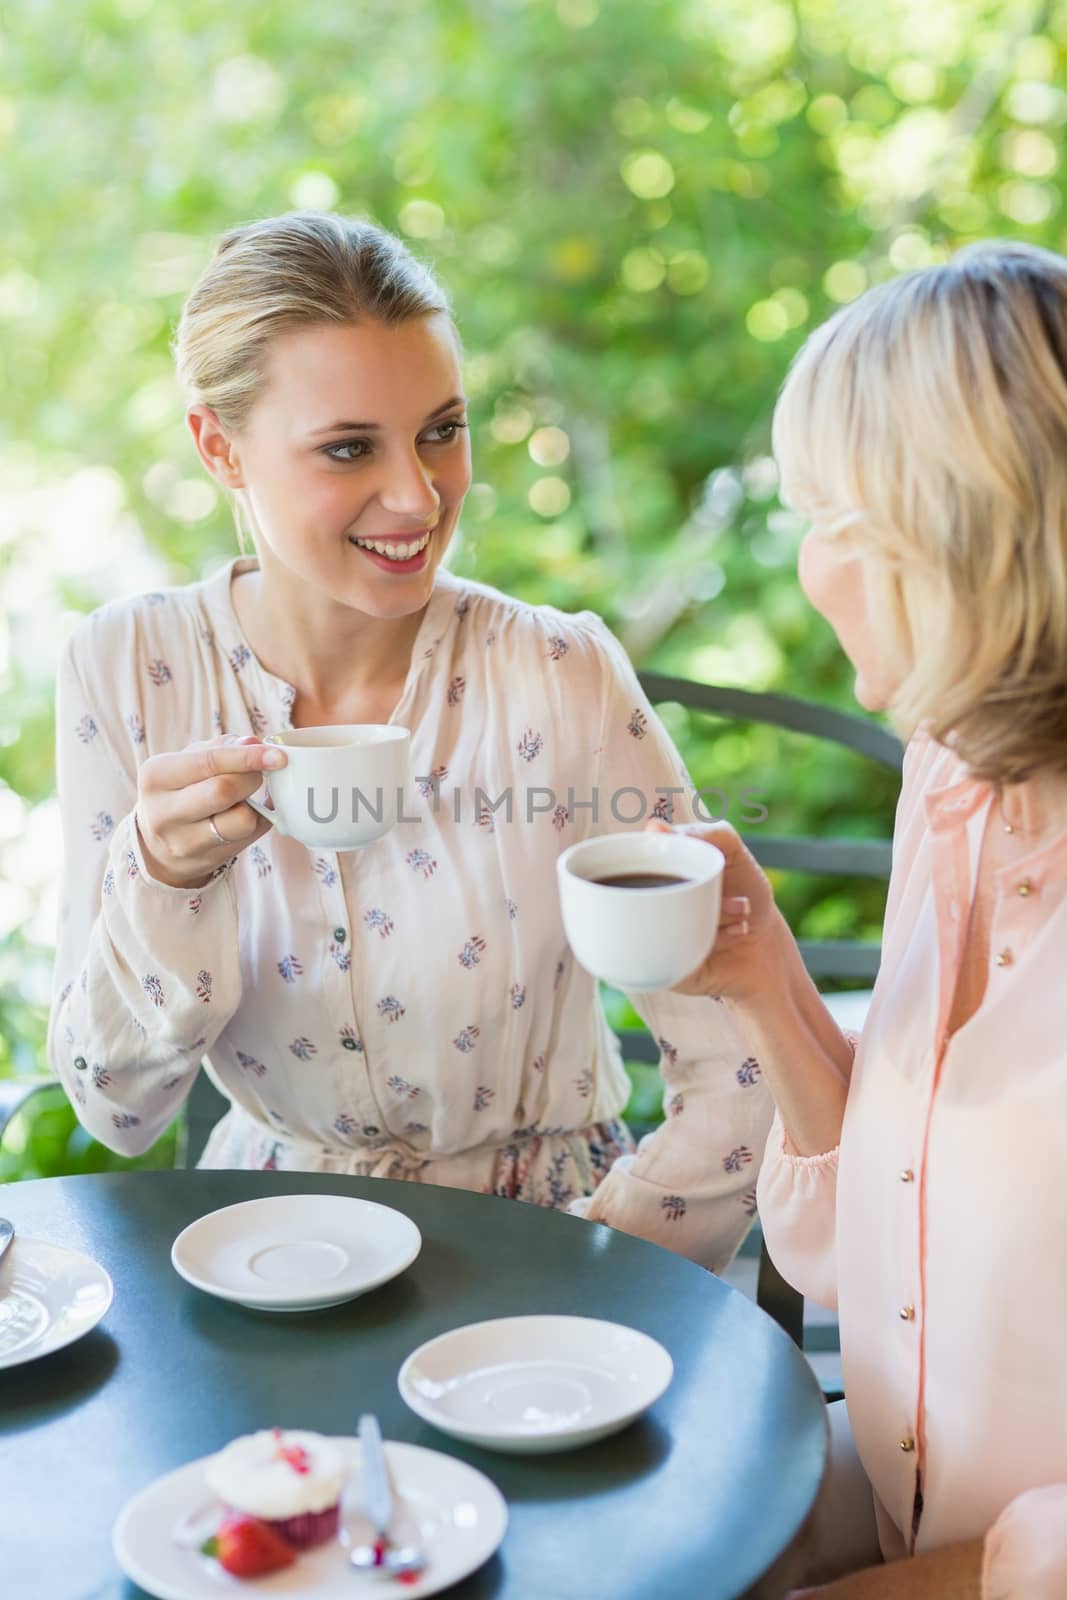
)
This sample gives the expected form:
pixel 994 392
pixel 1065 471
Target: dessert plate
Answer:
pixel 295 1252
pixel 49 1296
pixel 460 1517
pixel 535 1384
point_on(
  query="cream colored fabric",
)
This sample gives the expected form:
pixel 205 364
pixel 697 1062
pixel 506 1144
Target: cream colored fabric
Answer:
pixel 411 1009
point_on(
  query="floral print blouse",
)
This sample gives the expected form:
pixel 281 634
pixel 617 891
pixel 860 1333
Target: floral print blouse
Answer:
pixel 410 1009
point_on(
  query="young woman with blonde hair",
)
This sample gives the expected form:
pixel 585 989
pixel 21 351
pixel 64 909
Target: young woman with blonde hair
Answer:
pixel 409 1010
pixel 917 1180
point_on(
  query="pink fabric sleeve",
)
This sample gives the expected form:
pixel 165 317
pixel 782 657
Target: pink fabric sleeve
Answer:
pixel 1025 1555
pixel 797 1200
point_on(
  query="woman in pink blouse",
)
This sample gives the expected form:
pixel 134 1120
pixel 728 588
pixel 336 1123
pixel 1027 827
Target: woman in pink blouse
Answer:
pixel 917 1180
pixel 411 1009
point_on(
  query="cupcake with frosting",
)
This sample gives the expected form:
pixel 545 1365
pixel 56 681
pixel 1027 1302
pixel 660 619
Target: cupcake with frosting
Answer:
pixel 290 1480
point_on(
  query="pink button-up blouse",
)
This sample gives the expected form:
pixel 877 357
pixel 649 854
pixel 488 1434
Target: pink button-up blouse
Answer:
pixel 937 1227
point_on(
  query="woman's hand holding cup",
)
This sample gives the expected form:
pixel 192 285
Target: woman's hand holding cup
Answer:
pixel 742 958
pixel 191 813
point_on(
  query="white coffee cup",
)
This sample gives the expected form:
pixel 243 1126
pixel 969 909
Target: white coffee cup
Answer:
pixel 641 938
pixel 341 786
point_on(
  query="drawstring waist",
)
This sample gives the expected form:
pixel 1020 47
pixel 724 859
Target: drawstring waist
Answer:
pixel 374 1161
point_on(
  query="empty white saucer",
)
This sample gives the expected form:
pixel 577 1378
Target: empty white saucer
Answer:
pixel 49 1296
pixel 535 1384
pixel 296 1252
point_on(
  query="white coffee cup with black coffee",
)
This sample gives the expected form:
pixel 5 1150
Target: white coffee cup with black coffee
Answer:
pixel 641 910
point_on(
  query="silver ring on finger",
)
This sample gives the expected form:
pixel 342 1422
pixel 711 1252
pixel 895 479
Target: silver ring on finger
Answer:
pixel 215 831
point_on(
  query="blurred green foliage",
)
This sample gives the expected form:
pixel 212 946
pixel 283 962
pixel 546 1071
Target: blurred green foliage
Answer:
pixel 640 210
pixel 46 1139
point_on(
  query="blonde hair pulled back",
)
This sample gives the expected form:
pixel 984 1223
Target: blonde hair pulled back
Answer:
pixel 300 270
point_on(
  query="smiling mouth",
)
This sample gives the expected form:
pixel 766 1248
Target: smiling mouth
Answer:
pixel 391 549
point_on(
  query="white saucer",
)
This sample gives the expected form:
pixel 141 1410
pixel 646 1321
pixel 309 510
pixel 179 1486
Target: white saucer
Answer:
pixel 458 1515
pixel 296 1252
pixel 535 1384
pixel 49 1296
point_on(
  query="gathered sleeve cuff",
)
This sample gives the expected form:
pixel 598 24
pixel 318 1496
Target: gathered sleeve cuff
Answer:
pixel 691 1185
pixel 797 1200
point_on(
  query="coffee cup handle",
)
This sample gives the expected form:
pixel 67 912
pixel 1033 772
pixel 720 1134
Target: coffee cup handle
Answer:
pixel 265 811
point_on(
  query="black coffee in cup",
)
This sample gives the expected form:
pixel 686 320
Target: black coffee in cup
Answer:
pixel 642 942
pixel 640 880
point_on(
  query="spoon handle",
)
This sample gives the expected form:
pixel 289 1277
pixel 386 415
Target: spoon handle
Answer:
pixel 378 1495
pixel 7 1233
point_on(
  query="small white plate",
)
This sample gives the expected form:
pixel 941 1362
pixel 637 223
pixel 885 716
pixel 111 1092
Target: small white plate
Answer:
pixel 296 1252
pixel 535 1384
pixel 458 1515
pixel 49 1296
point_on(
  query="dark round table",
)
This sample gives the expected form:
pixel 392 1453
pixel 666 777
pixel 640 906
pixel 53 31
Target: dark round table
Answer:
pixel 701 1499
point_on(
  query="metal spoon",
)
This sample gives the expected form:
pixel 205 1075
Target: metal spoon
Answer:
pixel 392 1560
pixel 7 1233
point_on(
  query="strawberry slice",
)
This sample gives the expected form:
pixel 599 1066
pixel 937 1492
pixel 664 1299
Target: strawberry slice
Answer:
pixel 295 1456
pixel 248 1548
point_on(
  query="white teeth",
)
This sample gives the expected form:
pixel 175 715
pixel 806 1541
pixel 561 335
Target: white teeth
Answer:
pixel 395 552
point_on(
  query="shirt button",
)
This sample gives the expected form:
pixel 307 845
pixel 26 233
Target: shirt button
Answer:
pixel 80 1063
pixel 349 1044
pixel 370 1130
pixel 340 935
pixel 1024 888
pixel 907 1445
pixel 954 911
pixel 907 1313
pixel 907 1176
pixel 1004 958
